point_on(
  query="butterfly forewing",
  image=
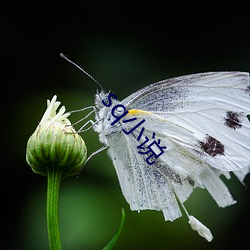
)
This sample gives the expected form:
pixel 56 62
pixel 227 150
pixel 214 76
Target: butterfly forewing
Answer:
pixel 211 107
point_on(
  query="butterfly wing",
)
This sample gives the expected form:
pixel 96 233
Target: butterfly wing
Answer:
pixel 212 106
pixel 142 185
pixel 201 119
pixel 175 173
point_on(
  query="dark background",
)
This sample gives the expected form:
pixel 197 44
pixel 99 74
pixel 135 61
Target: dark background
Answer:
pixel 125 45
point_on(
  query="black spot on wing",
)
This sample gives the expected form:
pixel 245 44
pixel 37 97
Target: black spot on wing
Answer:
pixel 248 89
pixel 190 181
pixel 233 119
pixel 212 146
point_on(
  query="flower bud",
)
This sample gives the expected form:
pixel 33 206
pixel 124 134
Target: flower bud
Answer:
pixel 55 144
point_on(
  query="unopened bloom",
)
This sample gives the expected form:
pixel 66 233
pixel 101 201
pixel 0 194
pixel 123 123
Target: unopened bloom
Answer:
pixel 55 143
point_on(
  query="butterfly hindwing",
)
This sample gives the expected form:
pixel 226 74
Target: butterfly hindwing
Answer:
pixel 143 185
pixel 180 164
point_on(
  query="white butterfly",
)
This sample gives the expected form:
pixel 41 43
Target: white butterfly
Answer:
pixel 202 121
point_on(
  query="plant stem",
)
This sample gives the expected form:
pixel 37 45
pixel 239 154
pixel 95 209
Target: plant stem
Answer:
pixel 54 177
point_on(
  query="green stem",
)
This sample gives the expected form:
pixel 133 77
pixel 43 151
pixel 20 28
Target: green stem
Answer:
pixel 54 177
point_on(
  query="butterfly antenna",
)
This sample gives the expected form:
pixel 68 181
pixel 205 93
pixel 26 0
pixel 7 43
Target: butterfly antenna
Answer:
pixel 86 73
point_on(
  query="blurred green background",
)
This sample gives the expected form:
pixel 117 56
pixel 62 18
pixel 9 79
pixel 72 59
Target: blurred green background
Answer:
pixel 125 47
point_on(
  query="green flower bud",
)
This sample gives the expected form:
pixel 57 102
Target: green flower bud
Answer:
pixel 55 144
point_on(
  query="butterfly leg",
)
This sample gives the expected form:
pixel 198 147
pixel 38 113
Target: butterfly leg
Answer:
pixel 94 153
pixel 86 116
pixel 81 129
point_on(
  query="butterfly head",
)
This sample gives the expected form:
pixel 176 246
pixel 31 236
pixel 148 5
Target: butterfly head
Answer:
pixel 104 99
pixel 99 97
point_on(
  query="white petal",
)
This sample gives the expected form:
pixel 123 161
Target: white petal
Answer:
pixel 51 114
pixel 200 228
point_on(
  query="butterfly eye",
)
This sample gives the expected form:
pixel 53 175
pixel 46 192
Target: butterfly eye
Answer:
pixel 105 100
pixel 119 111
